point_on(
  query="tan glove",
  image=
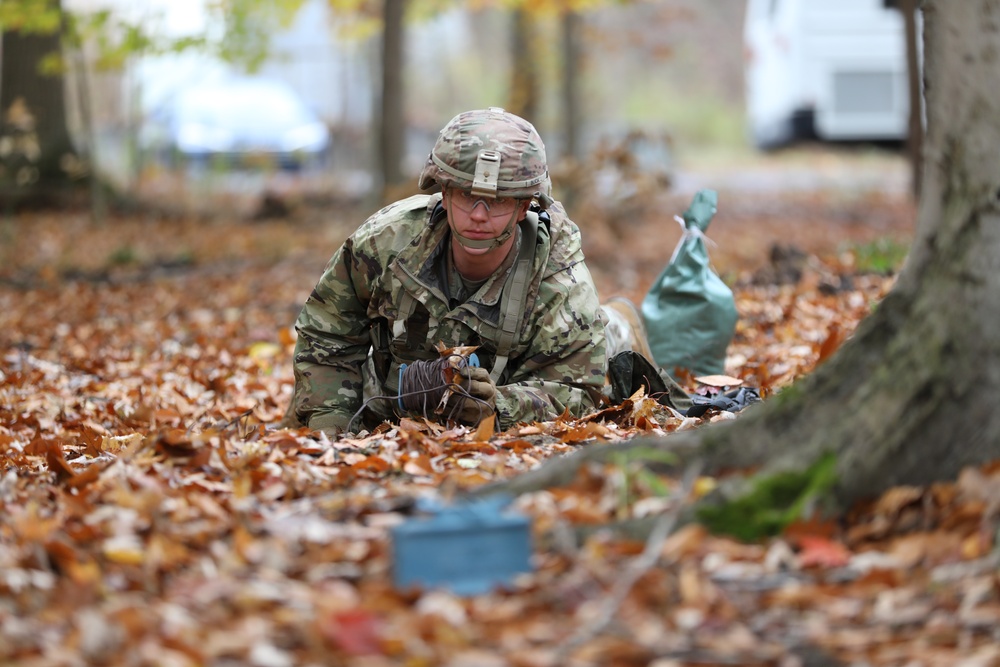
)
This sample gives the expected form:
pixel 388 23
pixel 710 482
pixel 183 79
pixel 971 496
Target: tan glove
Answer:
pixel 333 432
pixel 331 425
pixel 479 385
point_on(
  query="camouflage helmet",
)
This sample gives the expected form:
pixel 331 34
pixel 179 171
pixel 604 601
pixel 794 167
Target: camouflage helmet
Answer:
pixel 491 153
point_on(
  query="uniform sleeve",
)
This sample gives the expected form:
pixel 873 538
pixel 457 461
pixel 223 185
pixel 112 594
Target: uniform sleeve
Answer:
pixel 564 366
pixel 333 341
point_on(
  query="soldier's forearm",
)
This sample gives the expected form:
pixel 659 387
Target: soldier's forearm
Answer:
pixel 322 389
pixel 541 400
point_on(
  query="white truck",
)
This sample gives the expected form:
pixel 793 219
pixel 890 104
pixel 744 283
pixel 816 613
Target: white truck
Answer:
pixel 832 70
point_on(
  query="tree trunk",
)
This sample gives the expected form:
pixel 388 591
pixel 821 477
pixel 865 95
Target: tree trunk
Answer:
pixel 915 131
pixel 571 84
pixel 524 73
pixel 34 111
pixel 912 397
pixel 392 132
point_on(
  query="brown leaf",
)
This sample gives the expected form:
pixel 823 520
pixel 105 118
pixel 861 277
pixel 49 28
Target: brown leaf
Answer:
pixel 812 527
pixel 485 429
pixel 619 414
pixel 91 440
pixel 834 338
pixel 86 477
pixel 57 464
pixel 413 426
pixel 685 542
pixel 80 568
pixel 895 499
pixel 418 465
pixel 585 432
pixel 372 464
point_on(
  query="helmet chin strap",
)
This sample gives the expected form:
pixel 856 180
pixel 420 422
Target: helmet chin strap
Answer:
pixel 490 244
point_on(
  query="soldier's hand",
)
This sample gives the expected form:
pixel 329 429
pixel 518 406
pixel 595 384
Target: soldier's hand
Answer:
pixel 482 394
pixel 330 425
pixel 332 432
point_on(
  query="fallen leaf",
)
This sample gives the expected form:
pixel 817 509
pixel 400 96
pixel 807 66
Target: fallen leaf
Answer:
pixel 356 632
pixel 833 340
pixel 720 381
pixel 485 429
pixel 821 552
pixel 418 465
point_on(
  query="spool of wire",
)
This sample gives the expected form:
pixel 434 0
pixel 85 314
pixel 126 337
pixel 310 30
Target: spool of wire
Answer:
pixel 424 386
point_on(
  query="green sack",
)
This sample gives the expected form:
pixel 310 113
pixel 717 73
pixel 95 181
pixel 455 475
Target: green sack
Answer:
pixel 690 314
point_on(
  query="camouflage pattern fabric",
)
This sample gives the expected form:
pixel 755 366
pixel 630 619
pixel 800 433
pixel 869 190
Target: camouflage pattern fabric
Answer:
pixel 523 171
pixel 557 363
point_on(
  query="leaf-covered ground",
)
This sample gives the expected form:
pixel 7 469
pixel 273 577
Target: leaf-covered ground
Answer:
pixel 149 516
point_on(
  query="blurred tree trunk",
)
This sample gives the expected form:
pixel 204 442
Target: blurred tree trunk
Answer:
pixel 34 114
pixel 524 73
pixel 915 134
pixel 392 130
pixel 571 84
pixel 911 398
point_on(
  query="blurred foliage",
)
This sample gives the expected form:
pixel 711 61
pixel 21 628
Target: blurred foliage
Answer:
pixel 247 25
pixel 244 39
pixel 363 18
pixel 115 40
pixel 30 16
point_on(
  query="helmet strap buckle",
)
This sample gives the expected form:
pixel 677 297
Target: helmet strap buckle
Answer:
pixel 484 182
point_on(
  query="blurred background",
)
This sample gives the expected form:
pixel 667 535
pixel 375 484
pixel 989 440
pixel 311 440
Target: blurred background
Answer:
pixel 322 110
pixel 253 87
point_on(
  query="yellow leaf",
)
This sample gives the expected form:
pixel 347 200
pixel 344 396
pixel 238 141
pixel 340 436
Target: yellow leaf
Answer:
pixel 263 354
pixel 973 547
pixel 703 486
pixel 124 550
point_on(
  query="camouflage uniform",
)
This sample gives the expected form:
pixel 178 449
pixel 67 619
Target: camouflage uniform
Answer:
pixel 388 296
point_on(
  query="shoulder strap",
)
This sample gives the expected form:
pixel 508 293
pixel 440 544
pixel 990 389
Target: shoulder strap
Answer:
pixel 515 294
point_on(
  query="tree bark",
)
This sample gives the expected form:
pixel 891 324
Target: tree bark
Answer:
pixel 911 398
pixel 392 131
pixel 524 73
pixel 25 90
pixel 571 84
pixel 915 131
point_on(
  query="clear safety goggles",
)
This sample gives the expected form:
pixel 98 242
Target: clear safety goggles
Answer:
pixel 496 208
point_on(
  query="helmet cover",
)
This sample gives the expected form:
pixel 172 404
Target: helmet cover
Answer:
pixel 491 153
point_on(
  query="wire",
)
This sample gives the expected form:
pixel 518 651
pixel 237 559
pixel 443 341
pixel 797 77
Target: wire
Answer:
pixel 422 385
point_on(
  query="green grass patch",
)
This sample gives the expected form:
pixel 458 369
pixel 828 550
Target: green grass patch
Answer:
pixel 773 502
pixel 884 256
pixel 125 255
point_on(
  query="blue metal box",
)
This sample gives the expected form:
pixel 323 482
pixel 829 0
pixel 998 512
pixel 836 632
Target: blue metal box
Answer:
pixel 469 548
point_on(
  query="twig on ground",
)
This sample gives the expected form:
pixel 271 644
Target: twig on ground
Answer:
pixel 636 568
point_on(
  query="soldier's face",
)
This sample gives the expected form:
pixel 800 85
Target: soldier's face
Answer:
pixel 480 218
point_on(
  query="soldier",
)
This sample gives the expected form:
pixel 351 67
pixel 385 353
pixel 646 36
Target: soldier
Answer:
pixel 490 261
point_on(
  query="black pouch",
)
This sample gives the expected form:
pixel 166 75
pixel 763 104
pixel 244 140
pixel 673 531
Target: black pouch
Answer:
pixel 629 370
